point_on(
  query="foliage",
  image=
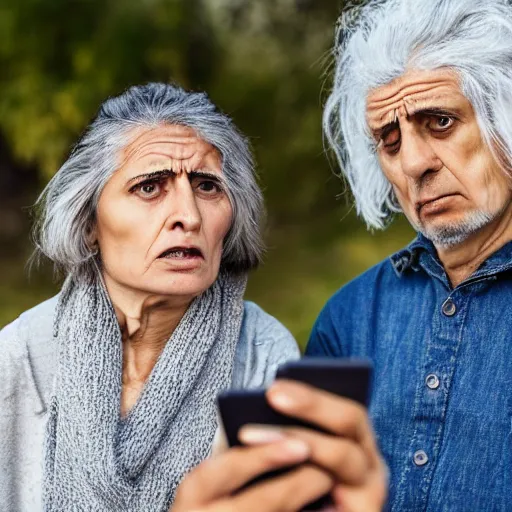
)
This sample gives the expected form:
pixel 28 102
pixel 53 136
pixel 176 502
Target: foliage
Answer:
pixel 265 63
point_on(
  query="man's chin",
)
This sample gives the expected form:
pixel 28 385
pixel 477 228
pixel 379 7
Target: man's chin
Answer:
pixel 446 238
pixel 451 234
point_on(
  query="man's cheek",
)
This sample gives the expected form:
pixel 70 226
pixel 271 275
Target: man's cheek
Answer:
pixel 402 197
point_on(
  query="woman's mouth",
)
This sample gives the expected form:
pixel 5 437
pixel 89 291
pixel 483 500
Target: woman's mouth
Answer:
pixel 181 253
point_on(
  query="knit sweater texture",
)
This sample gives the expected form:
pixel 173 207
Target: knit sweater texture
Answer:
pixel 27 371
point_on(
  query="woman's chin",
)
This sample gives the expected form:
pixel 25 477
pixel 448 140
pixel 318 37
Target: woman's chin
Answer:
pixel 186 284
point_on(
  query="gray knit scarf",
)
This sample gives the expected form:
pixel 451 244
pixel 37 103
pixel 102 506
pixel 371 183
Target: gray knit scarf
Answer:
pixel 96 461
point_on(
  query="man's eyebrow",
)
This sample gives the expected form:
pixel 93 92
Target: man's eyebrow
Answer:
pixel 385 130
pixel 379 133
pixel 435 111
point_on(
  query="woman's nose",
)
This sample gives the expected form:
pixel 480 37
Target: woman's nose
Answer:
pixel 183 212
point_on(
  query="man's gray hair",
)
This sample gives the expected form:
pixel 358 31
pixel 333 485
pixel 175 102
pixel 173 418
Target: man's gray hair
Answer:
pixel 66 209
pixel 381 40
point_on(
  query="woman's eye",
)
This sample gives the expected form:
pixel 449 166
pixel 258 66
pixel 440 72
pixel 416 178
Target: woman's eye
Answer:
pixel 442 123
pixel 209 187
pixel 148 190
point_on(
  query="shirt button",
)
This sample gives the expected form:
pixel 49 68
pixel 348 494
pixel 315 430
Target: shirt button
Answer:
pixel 420 458
pixel 432 381
pixel 449 308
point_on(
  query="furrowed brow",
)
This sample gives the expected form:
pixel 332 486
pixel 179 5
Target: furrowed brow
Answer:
pixel 205 174
pixel 381 133
pixel 155 174
pixel 435 111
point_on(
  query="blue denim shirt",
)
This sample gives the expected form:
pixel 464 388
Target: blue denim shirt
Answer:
pixel 442 391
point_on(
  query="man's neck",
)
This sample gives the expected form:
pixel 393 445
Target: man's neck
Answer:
pixel 462 260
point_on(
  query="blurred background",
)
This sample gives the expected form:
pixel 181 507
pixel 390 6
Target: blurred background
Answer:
pixel 264 62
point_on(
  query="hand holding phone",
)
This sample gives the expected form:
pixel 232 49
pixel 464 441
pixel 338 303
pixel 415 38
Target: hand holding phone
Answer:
pixel 329 424
pixel 219 484
pixel 349 378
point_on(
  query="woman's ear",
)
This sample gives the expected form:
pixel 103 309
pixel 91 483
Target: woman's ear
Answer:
pixel 91 239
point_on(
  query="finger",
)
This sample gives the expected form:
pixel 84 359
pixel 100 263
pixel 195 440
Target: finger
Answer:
pixel 371 497
pixel 342 457
pixel 214 478
pixel 287 493
pixel 334 414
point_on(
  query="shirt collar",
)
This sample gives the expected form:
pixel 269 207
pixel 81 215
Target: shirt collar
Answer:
pixel 408 258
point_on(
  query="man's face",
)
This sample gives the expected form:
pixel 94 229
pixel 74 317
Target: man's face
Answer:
pixel 431 150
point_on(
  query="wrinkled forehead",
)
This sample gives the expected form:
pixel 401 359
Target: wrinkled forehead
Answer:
pixel 167 145
pixel 415 90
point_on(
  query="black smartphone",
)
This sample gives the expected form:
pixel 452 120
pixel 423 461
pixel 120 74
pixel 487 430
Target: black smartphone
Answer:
pixel 350 378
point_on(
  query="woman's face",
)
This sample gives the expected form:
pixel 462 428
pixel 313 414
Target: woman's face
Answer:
pixel 163 215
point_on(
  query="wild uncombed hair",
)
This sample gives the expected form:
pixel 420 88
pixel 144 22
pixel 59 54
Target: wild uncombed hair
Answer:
pixel 380 41
pixel 66 210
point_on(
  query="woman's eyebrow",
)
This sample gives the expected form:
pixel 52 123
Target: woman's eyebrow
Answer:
pixel 164 173
pixel 205 174
pixel 154 174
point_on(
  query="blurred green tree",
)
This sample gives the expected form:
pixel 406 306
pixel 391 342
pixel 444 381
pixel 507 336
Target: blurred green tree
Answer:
pixel 265 63
pixel 61 59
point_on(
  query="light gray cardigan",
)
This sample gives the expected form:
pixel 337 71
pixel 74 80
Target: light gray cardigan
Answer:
pixel 27 369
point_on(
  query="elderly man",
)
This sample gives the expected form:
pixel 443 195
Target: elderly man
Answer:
pixel 420 120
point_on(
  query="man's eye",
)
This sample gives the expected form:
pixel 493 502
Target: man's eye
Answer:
pixel 391 140
pixel 441 123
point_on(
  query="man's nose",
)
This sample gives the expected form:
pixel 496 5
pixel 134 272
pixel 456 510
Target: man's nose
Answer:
pixel 183 210
pixel 417 155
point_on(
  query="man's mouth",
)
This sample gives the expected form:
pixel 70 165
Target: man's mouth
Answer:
pixel 180 253
pixel 431 202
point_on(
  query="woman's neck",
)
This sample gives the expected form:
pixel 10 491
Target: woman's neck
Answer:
pixel 146 322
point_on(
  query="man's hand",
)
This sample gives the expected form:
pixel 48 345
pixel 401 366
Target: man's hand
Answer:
pixel 348 452
pixel 212 486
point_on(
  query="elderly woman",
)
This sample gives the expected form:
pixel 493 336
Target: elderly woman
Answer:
pixel 108 390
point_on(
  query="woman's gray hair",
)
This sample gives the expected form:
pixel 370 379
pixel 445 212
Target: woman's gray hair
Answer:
pixel 381 40
pixel 67 207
